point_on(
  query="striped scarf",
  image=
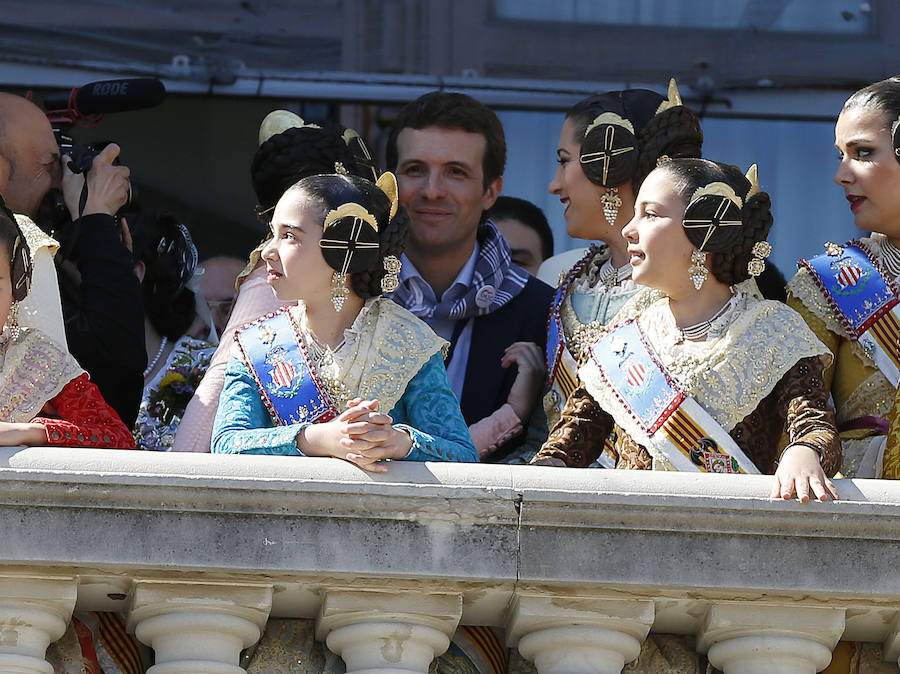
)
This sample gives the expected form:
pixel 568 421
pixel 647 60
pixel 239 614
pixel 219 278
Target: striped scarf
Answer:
pixel 495 282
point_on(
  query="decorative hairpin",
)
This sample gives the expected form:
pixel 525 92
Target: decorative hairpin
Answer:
pixel 391 279
pixel 387 183
pixel 761 250
pixel 279 121
pixel 753 177
pixel 350 210
pixel 673 98
pixel 360 151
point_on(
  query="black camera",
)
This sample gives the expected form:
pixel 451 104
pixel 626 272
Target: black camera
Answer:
pixel 81 157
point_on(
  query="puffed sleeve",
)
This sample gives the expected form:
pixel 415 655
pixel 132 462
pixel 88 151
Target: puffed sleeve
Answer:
pixel 826 336
pixel 429 412
pixel 83 419
pixel 577 438
pixel 243 424
pixel 809 418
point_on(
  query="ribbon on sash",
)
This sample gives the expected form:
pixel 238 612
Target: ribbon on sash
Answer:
pixel 556 336
pixel 286 380
pixel 866 303
pixel 672 422
pixel 561 365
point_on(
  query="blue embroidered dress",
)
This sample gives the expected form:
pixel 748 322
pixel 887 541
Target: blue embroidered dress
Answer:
pixel 387 354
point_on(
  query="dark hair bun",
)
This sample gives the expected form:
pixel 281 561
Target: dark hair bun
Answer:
pixel 350 245
pixel 296 153
pixel 609 154
pixel 21 268
pixel 712 222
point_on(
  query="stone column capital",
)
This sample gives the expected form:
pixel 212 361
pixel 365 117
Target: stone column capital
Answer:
pixel 34 611
pixel 391 632
pixel 197 627
pixel 578 635
pixel 746 637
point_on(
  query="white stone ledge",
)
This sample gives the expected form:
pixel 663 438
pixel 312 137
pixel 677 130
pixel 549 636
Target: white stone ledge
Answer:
pixel 485 532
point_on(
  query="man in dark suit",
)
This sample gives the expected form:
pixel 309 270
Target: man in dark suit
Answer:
pixel 448 151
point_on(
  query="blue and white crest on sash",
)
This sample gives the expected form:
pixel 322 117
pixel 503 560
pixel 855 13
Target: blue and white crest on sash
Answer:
pixel 638 380
pixel 636 376
pixel 286 380
pixel 853 286
pixel 283 372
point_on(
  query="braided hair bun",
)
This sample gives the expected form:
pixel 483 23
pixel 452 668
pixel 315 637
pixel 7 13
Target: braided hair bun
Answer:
pixel 291 149
pixel 293 154
pixel 725 213
pixel 349 202
pixel 624 133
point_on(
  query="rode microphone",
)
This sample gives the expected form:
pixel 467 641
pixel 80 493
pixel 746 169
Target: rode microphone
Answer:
pixel 98 98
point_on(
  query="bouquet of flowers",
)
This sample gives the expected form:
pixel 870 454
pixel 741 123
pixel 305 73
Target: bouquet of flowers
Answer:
pixel 164 404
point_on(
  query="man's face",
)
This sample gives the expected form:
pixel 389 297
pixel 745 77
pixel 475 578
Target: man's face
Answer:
pixel 524 244
pixel 441 180
pixel 32 157
pixel 217 286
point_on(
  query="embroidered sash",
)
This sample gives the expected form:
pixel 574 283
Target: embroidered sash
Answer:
pixel 561 365
pixel 864 300
pixel 672 423
pixel 278 361
pixel 556 336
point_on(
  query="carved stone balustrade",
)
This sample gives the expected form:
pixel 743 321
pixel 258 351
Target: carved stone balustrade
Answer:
pixel 576 566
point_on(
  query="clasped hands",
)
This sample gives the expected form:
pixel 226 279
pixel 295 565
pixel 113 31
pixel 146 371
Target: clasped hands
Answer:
pixel 361 434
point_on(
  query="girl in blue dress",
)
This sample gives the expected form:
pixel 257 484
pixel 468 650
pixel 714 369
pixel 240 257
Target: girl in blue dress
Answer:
pixel 345 372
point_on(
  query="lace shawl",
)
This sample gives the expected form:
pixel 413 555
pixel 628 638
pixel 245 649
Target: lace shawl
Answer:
pixel 729 375
pixel 384 348
pixel 35 370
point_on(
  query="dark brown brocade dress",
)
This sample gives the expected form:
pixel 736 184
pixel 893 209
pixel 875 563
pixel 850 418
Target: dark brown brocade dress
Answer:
pixel 798 403
pixel 766 367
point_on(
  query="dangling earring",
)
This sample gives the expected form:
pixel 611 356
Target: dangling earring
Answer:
pixel 698 271
pixel 390 280
pixel 340 293
pixel 761 250
pixel 612 202
pixel 12 322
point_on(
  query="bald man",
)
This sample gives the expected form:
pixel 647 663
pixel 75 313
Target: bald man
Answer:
pixel 101 297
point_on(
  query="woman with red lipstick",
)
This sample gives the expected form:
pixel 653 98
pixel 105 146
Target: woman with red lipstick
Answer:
pixel 847 295
pixel 707 377
pixel 345 372
pixel 607 146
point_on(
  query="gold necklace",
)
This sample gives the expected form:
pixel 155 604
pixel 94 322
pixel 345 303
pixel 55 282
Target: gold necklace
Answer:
pixel 327 369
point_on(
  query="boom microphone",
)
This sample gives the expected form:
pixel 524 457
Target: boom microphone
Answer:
pixel 97 98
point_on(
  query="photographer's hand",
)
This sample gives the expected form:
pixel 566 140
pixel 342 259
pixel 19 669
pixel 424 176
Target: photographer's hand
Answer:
pixel 108 185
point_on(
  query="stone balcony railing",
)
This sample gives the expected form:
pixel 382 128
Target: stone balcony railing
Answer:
pixel 577 565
